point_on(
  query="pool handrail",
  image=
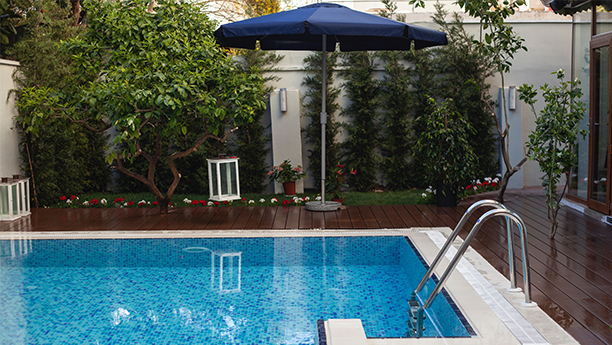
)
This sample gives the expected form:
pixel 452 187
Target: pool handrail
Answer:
pixel 455 233
pixel 453 264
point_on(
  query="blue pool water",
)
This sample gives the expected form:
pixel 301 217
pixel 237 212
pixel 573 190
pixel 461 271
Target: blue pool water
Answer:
pixel 170 291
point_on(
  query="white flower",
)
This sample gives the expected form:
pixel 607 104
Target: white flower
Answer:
pixel 125 204
pixel 251 201
pixel 306 198
pixel 103 201
pixel 424 195
pixel 488 179
pixel 475 187
pixel 318 198
pixel 478 182
pixel 297 200
pixel 210 203
pixel 187 201
pixel 77 198
pixel 69 201
pixel 273 200
pixel 85 203
pixel 262 200
pixel 148 203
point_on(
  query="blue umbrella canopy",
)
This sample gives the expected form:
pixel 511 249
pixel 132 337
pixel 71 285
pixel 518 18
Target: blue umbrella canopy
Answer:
pixel 319 27
pixel 302 29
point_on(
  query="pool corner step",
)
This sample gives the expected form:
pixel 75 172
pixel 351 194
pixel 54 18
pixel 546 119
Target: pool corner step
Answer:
pixel 345 332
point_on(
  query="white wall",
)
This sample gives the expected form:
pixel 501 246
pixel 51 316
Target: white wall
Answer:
pixel 9 138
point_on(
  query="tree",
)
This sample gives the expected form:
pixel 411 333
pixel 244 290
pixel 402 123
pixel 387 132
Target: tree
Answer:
pixel 63 158
pixel 552 143
pixel 160 69
pixel 462 77
pixel 312 110
pixel 363 129
pixel 497 42
pixel 395 102
pixel 250 140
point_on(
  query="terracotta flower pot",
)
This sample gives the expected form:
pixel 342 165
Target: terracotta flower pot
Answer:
pixel 341 200
pixel 289 188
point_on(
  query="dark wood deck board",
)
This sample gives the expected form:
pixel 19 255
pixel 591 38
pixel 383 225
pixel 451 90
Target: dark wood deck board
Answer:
pixel 243 219
pixel 355 216
pixel 571 275
pixel 305 219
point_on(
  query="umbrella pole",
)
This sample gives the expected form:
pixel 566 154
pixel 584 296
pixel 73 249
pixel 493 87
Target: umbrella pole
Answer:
pixel 323 118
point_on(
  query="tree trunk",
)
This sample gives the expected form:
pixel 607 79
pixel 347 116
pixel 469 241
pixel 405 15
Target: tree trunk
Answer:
pixel 163 205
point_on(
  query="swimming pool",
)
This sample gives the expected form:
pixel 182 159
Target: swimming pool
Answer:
pixel 175 291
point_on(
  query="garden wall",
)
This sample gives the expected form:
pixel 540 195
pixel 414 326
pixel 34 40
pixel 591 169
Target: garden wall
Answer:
pixel 9 137
pixel 548 38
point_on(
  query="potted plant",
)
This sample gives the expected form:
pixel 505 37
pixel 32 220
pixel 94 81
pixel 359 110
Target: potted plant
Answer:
pixel 448 158
pixel 336 180
pixel 286 175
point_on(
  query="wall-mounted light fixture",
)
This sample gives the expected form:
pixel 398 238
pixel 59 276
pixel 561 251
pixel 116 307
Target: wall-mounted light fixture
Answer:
pixel 282 95
pixel 512 97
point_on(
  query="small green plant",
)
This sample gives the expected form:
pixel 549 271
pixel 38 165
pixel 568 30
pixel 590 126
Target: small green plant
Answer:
pixel 285 173
pixel 448 156
pixel 552 142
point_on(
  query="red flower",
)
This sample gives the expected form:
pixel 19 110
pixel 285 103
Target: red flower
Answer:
pixel 169 202
pixel 155 203
pixel 141 203
pixel 217 203
pixel 225 202
pixel 286 202
pixel 94 202
pixel 243 199
pixel 340 166
pixel 130 203
pixel 469 186
pixel 354 172
pixel 119 200
pixel 62 198
pixel 494 184
pixel 203 202
pixel 72 197
pixel 194 202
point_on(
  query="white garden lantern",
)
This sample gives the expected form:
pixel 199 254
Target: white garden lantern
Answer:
pixel 14 198
pixel 223 179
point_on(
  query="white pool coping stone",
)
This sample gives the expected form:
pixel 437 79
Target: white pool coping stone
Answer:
pixel 477 287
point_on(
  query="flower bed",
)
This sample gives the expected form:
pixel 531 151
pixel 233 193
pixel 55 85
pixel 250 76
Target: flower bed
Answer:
pixel 74 201
pixel 475 187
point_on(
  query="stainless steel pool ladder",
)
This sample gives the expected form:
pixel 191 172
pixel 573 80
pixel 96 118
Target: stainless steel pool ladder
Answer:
pixel 417 312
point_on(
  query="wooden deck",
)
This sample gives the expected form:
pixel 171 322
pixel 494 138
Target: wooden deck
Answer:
pixel 571 275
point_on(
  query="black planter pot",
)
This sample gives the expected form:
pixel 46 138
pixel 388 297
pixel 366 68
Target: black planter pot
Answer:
pixel 446 196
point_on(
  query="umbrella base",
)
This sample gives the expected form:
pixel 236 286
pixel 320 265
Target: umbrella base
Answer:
pixel 320 207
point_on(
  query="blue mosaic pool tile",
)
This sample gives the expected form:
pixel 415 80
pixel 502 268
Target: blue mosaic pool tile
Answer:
pixel 153 291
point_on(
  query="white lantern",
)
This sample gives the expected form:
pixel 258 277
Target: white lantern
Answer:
pixel 14 198
pixel 223 179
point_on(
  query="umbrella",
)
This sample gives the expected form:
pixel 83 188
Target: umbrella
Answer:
pixel 319 27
